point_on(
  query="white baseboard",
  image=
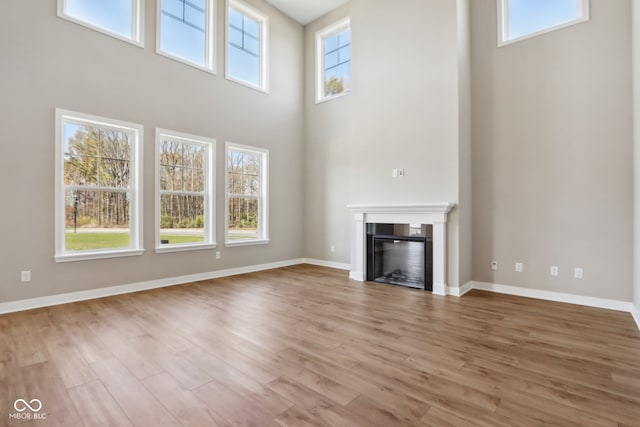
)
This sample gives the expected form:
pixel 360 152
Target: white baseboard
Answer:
pixel 608 304
pixel 330 264
pixel 635 313
pixel 458 292
pixel 28 304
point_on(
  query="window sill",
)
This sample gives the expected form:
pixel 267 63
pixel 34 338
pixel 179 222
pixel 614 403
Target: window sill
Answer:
pixel 183 248
pixel 86 256
pixel 330 98
pixel 187 62
pixel 246 243
pixel 136 42
pixel 247 84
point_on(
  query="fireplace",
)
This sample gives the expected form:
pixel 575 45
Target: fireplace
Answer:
pixel 434 214
pixel 400 254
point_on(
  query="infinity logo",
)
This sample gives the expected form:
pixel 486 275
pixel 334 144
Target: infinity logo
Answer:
pixel 21 408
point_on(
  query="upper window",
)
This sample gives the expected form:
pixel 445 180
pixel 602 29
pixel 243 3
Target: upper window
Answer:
pixel 247 45
pixel 98 187
pixel 122 19
pixel 333 62
pixel 185 191
pixel 247 195
pixel 522 19
pixel 185 32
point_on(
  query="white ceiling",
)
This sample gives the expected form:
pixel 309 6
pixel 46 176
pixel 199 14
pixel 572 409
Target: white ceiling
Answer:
pixel 305 11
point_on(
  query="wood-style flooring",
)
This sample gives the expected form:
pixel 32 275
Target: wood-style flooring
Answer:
pixel 304 346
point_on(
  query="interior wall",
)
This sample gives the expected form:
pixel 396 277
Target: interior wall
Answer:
pixel 552 154
pixel 327 160
pixel 402 113
pixel 48 62
pixel 465 206
pixel 636 138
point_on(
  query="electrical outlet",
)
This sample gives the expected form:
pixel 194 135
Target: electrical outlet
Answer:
pixel 519 267
pixel 25 276
pixel 394 173
pixel 218 255
pixel 400 172
pixel 554 270
pixel 333 248
pixel 578 273
pixel 494 265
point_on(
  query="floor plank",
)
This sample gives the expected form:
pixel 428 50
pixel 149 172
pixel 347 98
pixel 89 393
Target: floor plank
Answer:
pixel 304 346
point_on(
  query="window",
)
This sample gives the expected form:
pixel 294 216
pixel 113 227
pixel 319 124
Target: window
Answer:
pixel 247 195
pixel 186 31
pixel 185 168
pixel 333 61
pixel 246 45
pixel 522 19
pixel 122 19
pixel 98 187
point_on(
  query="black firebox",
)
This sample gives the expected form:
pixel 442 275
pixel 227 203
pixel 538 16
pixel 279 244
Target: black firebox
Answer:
pixel 400 254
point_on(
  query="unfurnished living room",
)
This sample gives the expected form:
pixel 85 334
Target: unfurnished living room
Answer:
pixel 320 213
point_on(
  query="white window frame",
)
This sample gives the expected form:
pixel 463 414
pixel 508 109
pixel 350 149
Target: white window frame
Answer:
pixel 210 44
pixel 135 208
pixel 321 36
pixel 137 22
pixel 209 191
pixel 263 201
pixel 503 22
pixel 263 20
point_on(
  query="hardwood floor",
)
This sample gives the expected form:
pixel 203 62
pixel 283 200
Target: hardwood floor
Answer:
pixel 303 346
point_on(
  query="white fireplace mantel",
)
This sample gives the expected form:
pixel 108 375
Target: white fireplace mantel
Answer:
pixel 421 213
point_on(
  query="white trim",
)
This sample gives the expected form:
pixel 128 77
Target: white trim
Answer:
pixel 413 213
pixel 246 242
pixel 29 304
pixel 263 199
pixel 137 23
pixel 328 264
pixel 635 313
pixel 210 39
pixel 608 304
pixel 321 35
pixel 263 20
pixel 136 244
pixel 503 22
pixel 210 145
pixel 458 292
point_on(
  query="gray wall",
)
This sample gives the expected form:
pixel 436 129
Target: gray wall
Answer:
pixel 403 113
pixel 327 160
pixel 636 138
pixel 552 154
pixel 48 62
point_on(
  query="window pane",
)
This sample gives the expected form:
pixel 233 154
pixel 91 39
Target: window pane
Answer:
pixel 96 156
pixel 345 54
pixel 171 178
pixel 529 16
pixel 193 180
pixel 244 51
pixel 96 220
pixel 244 66
pixel 331 43
pixel 243 218
pixel 337 80
pixel 194 156
pixel 181 219
pixel 331 59
pixel 114 15
pixel 344 38
pixel 183 30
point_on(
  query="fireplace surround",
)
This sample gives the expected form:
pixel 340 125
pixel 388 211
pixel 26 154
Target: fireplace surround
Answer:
pixel 434 214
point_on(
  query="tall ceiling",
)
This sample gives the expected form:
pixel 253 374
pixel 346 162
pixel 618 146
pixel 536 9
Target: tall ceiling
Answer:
pixel 306 11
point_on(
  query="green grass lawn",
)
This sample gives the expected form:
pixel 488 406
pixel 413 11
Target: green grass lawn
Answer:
pixel 88 241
